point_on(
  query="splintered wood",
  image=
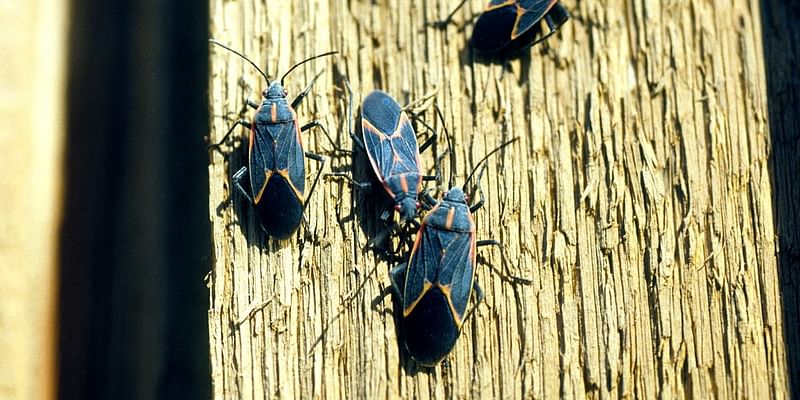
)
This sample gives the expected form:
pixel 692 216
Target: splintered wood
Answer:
pixel 635 208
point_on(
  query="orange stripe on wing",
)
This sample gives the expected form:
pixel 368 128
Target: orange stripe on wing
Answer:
pixel 414 249
pixel 401 122
pixel 501 5
pixel 372 129
pixel 425 287
pixel 515 33
pixel 285 174
pixel 268 175
pixel 446 292
pixel 367 127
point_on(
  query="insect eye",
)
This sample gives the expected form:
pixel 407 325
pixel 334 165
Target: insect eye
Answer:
pixel 418 205
pixel 397 207
pixel 285 93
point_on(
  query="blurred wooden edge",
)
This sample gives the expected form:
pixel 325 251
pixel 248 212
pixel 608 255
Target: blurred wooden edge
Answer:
pixel 32 111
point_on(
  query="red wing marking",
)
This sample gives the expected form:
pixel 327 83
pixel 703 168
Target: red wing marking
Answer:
pixel 451 214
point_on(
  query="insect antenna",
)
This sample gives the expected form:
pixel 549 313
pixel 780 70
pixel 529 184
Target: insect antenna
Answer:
pixel 478 165
pixel 305 61
pixel 451 180
pixel 242 56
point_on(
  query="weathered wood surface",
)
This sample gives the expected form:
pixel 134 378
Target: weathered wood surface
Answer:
pixel 638 201
pixel 780 35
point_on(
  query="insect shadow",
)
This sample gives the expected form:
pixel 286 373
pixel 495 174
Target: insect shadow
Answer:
pixel 234 159
pixel 244 214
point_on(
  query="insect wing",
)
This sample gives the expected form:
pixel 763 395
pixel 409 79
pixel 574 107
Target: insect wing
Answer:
pixel 532 12
pixel 457 269
pixel 275 148
pixel 290 157
pixel 404 150
pixel 493 28
pixel 280 210
pixel 505 21
pixel 443 258
pixel 394 153
pixel 388 136
pixel 262 160
pixel 421 270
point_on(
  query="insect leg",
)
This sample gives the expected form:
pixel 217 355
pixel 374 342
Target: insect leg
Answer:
pixel 551 29
pixel 357 140
pixel 241 122
pixel 321 160
pixel 476 288
pixel 317 124
pixel 441 24
pixel 380 236
pixel 479 204
pixel 353 135
pixel 428 201
pixel 437 159
pixel 554 18
pixel 347 177
pixel 428 142
pixel 431 140
pixel 299 99
pixel 406 238
pixel 479 296
pixel 504 275
pixel 398 276
pixel 237 177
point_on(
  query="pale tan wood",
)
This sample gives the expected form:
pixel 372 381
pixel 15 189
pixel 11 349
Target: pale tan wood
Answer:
pixel 32 129
pixel 638 202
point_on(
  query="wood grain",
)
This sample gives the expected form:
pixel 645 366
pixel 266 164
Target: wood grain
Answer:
pixel 638 202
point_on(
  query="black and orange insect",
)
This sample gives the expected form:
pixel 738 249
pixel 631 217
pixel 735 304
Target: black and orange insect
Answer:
pixel 276 156
pixel 507 27
pixel 436 284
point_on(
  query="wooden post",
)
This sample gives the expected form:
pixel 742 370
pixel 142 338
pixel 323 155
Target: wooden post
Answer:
pixel 32 111
pixel 637 201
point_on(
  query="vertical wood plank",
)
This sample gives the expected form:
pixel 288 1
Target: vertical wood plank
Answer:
pixel 31 146
pixel 637 201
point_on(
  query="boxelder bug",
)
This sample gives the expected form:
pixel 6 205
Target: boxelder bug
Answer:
pixel 435 286
pixel 391 146
pixel 509 26
pixel 277 171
